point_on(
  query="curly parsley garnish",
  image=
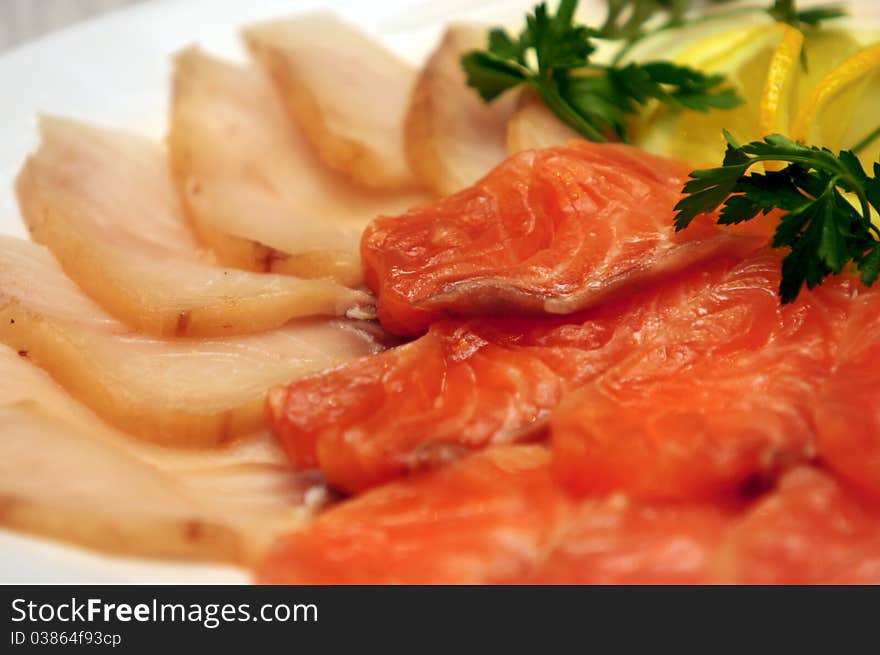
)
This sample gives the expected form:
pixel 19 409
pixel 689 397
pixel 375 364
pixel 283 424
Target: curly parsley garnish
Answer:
pixel 827 199
pixel 552 55
pixel 786 12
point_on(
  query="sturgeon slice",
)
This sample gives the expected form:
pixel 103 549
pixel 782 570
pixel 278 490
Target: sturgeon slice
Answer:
pixel 181 392
pixel 347 92
pixel 452 137
pixel 251 185
pixel 103 203
pixel 67 475
pixel 534 126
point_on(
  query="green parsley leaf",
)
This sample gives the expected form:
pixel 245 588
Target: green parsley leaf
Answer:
pixel 490 74
pixel 686 87
pixel 503 46
pixel 593 99
pixel 786 12
pixel 821 228
pixel 632 19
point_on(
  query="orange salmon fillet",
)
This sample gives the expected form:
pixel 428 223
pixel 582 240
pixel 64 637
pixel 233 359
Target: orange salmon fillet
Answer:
pixel 848 407
pixel 498 517
pixel 665 384
pixel 456 389
pixel 690 419
pixel 720 400
pixel 613 540
pixel 465 385
pixel 548 231
pixel 487 517
pixel 811 530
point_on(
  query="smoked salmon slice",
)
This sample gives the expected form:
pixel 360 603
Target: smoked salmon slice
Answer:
pixel 718 400
pixel 848 405
pixel 811 530
pixel 468 384
pixel 616 540
pixel 546 232
pixel 488 517
pixel 102 201
pixel 497 517
pixel 456 389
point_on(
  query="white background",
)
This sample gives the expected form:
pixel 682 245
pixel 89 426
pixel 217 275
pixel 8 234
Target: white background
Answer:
pixel 21 20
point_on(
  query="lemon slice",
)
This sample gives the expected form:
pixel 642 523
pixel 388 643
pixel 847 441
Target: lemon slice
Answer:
pixel 725 50
pixel 654 127
pixel 746 56
pixel 764 65
pixel 824 50
pixel 783 72
pixel 841 111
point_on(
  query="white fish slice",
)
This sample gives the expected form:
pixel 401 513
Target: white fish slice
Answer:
pixel 65 474
pixel 347 92
pixel 102 201
pixel 182 392
pixel 252 186
pixel 533 126
pixel 452 137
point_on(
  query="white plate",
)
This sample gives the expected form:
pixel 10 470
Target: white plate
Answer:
pixel 114 71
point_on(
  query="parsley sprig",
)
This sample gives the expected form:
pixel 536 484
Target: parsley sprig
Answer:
pixel 631 21
pixel 785 11
pixel 822 228
pixel 552 55
pixel 626 19
pixel 634 20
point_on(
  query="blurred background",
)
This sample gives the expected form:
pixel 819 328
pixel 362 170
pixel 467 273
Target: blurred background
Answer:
pixel 21 20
